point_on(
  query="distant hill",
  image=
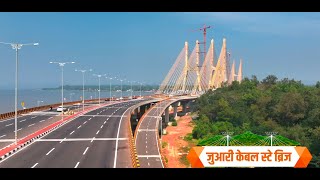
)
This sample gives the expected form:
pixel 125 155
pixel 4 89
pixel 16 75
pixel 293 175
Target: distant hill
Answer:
pixel 106 87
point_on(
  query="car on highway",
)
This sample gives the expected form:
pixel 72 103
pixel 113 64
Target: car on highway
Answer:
pixel 59 109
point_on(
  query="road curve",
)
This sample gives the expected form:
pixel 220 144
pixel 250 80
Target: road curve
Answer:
pixel 92 140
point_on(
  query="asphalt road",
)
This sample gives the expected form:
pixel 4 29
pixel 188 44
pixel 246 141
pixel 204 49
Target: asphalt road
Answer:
pixel 147 140
pixel 27 124
pixel 91 140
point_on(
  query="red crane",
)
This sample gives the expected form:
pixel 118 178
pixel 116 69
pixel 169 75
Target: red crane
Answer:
pixel 204 30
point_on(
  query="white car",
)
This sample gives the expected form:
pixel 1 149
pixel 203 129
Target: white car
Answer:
pixel 59 109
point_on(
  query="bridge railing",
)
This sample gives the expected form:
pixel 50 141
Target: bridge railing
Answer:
pixel 46 107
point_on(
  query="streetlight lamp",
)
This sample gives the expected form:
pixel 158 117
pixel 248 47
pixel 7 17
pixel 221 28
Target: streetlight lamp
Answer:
pixel 99 76
pixel 38 103
pixel 61 64
pixel 83 71
pixel 16 47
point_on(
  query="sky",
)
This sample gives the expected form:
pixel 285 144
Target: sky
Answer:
pixel 143 46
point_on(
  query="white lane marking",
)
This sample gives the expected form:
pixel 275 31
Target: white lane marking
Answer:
pixel 9 124
pixel 23 120
pixel 101 126
pixel 42 120
pixel 79 127
pixel 49 151
pixel 148 164
pixel 146 147
pixel 146 152
pixel 2 136
pixel 85 151
pixel 107 119
pixel 146 142
pixel 98 132
pixel 85 122
pixel 117 142
pixel 63 140
pixel 147 156
pixel 89 119
pixel 92 139
pixel 18 130
pixel 104 122
pixel 31 125
pixel 72 132
pixel 77 164
pixel 147 130
pixel 34 117
pixel 50 117
pixel 34 165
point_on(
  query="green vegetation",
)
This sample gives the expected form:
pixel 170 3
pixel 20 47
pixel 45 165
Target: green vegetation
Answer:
pixel 247 139
pixel 166 159
pixel 174 123
pixel 164 144
pixel 285 106
pixel 183 157
pixel 188 137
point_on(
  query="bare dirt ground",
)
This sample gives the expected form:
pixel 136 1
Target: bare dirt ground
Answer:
pixel 174 147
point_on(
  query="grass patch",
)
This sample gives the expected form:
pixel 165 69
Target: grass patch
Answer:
pixel 174 123
pixel 183 159
pixel 166 159
pixel 164 144
pixel 188 137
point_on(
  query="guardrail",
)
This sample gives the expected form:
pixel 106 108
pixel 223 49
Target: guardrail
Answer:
pixel 10 149
pixel 159 145
pixel 132 146
pixel 41 108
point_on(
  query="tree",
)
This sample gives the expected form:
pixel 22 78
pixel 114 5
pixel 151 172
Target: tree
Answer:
pixel 270 80
pixel 291 109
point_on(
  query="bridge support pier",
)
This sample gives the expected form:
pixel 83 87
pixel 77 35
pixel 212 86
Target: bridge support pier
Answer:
pixel 142 110
pixel 175 109
pixel 184 107
pixel 166 116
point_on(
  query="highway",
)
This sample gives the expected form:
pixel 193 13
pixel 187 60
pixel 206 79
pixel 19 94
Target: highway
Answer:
pixel 28 124
pixel 147 140
pixel 93 140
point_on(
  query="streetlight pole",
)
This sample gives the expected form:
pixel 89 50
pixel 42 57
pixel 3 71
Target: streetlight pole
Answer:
pixel 38 103
pixel 83 71
pixel 71 96
pixel 121 88
pixel 99 76
pixel 110 96
pixel 61 64
pixel 140 88
pixel 131 89
pixel 16 47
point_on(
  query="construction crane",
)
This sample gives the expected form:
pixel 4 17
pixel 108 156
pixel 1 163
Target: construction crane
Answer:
pixel 204 30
